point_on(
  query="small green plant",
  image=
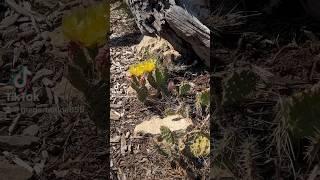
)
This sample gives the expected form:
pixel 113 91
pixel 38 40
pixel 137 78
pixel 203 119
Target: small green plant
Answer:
pixel 151 72
pixel 200 146
pixel 184 88
pixel 159 80
pixel 203 99
pixel 87 30
pixel 183 109
pixel 194 145
pixel 140 88
pixel 167 135
pixel 297 123
pixel 165 144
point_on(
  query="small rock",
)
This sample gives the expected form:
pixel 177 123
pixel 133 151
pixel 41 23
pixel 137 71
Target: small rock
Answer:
pixel 153 45
pixel 31 130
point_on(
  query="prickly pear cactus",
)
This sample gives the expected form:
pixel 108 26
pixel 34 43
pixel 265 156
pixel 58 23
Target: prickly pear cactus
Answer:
pixel 238 86
pixel 200 146
pixel 203 100
pixel 166 142
pixel 140 88
pixel 88 57
pixel 184 89
pixel 151 72
pixel 304 113
pixel 152 81
pixel 161 79
pixel 167 135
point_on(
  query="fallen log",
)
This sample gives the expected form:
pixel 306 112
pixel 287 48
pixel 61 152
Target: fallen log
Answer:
pixel 176 22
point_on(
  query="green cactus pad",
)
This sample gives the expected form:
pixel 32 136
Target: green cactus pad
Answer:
pixel 161 80
pixel 143 94
pixel 238 86
pixel 167 135
pixel 184 89
pixel 304 113
pixel 203 99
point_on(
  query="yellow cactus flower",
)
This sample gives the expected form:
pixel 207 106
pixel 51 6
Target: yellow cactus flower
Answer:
pixel 136 70
pixel 87 26
pixel 201 146
pixel 149 65
pixel 142 68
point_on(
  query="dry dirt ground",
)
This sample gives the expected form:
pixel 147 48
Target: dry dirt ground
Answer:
pixel 41 144
pixel 136 158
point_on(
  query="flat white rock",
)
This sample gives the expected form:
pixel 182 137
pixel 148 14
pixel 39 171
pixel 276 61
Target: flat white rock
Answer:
pixel 173 122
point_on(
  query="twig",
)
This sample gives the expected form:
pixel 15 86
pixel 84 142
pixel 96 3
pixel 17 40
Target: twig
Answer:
pixel 14 124
pixel 68 137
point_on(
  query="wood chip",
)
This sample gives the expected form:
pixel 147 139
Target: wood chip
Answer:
pixel 18 161
pixel 17 141
pixel 10 171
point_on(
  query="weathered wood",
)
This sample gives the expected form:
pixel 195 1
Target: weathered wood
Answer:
pixel 175 22
pixel 191 30
pixel 197 8
pixel 312 7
